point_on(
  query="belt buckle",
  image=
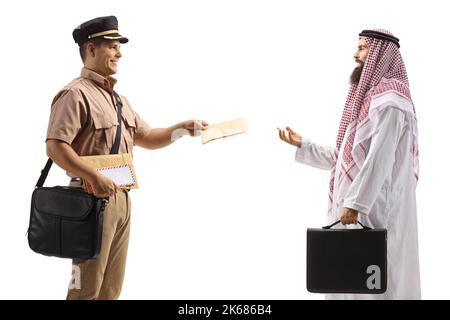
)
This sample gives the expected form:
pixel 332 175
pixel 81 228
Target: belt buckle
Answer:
pixel 76 180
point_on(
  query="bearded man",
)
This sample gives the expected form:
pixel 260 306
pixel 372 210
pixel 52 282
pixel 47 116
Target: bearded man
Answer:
pixel 374 166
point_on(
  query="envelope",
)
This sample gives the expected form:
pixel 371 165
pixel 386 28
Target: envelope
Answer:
pixel 117 167
pixel 224 129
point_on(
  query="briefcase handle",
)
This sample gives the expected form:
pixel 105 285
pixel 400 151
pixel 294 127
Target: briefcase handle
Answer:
pixel 332 225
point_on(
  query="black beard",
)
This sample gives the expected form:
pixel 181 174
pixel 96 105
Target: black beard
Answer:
pixel 356 74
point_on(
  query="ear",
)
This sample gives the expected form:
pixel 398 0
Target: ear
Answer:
pixel 90 50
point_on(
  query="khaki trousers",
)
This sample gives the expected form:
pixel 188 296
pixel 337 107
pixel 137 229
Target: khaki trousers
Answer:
pixel 102 278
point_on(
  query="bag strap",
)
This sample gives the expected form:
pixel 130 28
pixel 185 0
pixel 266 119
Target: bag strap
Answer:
pixel 332 225
pixel 44 173
pixel 119 105
pixel 114 149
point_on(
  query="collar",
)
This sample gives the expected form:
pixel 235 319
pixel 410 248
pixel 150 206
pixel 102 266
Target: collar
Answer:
pixel 106 83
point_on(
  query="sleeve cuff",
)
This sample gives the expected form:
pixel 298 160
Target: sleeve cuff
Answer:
pixel 301 152
pixel 62 138
pixel 363 209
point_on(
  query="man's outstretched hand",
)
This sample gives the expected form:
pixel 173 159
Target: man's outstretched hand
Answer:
pixel 290 136
pixel 195 127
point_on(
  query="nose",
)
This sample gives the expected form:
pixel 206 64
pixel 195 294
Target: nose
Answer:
pixel 118 53
pixel 356 55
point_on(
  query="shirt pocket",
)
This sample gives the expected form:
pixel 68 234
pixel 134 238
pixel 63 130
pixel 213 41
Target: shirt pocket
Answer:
pixel 130 130
pixel 105 130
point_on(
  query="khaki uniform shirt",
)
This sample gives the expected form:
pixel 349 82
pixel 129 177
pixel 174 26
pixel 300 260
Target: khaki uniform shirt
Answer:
pixel 84 115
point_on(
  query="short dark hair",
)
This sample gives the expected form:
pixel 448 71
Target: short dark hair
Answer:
pixel 96 42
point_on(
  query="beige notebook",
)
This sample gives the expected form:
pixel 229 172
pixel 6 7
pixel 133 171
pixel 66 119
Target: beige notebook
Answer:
pixel 224 129
pixel 117 167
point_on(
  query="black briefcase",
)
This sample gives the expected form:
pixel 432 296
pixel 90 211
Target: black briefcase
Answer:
pixel 346 260
pixel 65 222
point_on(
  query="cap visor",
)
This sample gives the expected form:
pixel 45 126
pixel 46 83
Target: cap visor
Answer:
pixel 116 36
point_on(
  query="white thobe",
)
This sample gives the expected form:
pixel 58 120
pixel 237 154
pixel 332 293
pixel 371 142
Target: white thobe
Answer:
pixel 383 192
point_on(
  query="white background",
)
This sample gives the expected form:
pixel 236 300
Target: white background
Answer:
pixel 225 220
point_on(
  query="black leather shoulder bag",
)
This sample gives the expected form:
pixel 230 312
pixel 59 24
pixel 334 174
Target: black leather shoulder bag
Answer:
pixel 67 222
